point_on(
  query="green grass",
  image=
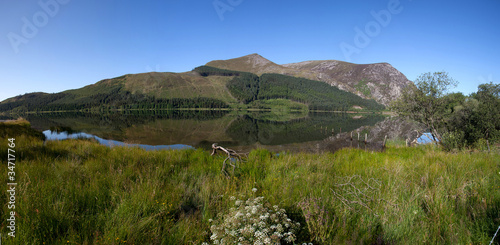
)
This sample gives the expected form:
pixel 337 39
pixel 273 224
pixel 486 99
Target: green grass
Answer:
pixel 10 128
pixel 80 192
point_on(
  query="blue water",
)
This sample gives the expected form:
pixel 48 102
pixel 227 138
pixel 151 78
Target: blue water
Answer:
pixel 111 143
pixel 426 138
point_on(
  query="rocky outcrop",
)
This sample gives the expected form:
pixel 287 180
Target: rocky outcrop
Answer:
pixel 380 81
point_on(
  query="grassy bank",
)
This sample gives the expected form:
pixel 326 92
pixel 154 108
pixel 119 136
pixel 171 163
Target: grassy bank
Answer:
pixel 79 192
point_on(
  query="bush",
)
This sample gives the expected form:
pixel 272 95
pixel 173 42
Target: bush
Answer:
pixel 252 222
pixel 453 140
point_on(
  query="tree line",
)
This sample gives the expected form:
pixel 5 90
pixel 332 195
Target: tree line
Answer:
pixel 114 99
pixel 206 71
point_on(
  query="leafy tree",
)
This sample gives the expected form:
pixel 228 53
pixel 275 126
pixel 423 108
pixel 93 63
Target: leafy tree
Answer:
pixel 427 102
pixel 454 120
pixel 488 96
pixel 478 117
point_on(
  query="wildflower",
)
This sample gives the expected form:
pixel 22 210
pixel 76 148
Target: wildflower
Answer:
pixel 251 222
pixel 254 189
pixel 279 228
pixel 262 224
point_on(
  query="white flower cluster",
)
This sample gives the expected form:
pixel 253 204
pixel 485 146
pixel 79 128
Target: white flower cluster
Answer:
pixel 252 222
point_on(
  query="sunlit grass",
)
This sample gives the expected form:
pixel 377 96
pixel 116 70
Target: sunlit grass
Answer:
pixel 86 193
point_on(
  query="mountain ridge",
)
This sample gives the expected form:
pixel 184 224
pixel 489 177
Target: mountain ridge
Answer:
pixel 367 81
pixel 379 81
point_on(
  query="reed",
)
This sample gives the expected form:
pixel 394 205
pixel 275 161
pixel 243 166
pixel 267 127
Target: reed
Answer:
pixel 80 192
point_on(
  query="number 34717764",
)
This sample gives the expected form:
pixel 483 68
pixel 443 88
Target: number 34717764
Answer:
pixel 11 159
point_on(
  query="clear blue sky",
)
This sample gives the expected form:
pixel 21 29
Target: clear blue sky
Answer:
pixel 55 45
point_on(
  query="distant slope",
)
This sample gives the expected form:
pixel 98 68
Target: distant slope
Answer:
pixel 133 91
pixel 248 87
pixel 228 82
pixel 166 85
pixel 318 95
pixel 380 81
pixel 253 63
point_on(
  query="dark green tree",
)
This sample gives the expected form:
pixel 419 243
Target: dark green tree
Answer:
pixel 478 117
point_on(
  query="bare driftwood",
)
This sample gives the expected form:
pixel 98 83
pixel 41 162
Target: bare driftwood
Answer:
pixel 231 154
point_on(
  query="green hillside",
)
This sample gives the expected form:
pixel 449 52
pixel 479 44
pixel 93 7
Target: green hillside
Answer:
pixel 136 91
pixel 318 95
pixel 248 87
pixel 204 87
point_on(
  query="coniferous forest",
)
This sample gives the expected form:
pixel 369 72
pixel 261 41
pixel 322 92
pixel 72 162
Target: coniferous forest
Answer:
pixel 247 87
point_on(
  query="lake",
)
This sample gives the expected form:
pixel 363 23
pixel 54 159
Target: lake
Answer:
pixel 241 131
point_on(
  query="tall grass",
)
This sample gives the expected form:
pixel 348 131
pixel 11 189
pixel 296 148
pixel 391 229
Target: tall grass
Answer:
pixel 80 192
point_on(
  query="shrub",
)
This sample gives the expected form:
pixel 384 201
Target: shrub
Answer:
pixel 252 222
pixel 453 140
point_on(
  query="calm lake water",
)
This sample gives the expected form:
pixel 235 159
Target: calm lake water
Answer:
pixel 200 129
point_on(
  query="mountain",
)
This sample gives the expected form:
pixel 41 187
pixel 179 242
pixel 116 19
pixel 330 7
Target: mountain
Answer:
pixel 379 81
pixel 154 90
pixel 231 83
pixel 250 88
pixel 253 63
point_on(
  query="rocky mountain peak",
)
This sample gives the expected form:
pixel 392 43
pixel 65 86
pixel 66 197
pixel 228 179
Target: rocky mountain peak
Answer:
pixel 256 60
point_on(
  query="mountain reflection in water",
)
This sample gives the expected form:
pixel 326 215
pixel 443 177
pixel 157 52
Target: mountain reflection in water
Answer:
pixel 199 129
pixel 51 135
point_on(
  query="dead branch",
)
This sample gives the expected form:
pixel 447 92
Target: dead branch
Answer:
pixel 356 190
pixel 231 154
